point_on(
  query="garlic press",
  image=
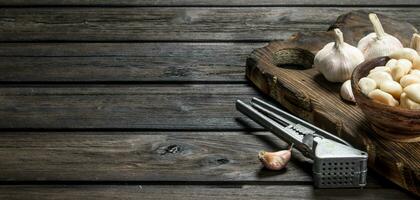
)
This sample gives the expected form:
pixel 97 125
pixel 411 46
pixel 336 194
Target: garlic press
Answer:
pixel 336 163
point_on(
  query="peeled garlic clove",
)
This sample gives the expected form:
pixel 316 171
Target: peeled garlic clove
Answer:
pixel 413 92
pixel 405 64
pixel 415 72
pixel 380 69
pixel 275 160
pixel 408 103
pixel 346 91
pixel 391 87
pixel 367 85
pixel 378 43
pixel 336 61
pixel 416 63
pixel 409 79
pixel 379 77
pixel 391 63
pixel 404 53
pixel 397 72
pixel 380 96
pixel 415 42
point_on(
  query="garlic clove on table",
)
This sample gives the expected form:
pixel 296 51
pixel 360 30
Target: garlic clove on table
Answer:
pixel 337 60
pixel 275 160
pixel 378 43
pixel 346 92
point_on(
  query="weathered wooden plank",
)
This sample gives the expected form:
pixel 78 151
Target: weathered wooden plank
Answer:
pixel 177 23
pixel 124 61
pixel 164 192
pixel 206 2
pixel 155 106
pixel 143 156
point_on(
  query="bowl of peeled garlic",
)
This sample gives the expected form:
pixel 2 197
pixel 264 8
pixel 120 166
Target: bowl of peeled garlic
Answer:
pixel 387 90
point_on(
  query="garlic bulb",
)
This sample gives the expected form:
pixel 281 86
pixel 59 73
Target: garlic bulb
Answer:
pixel 275 160
pixel 336 61
pixel 346 92
pixel 416 63
pixel 415 42
pixel 378 43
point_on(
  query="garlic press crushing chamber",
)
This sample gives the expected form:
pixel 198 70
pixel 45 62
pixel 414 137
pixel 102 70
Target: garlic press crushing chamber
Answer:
pixel 336 163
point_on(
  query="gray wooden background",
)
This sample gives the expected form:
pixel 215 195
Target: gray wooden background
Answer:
pixel 134 99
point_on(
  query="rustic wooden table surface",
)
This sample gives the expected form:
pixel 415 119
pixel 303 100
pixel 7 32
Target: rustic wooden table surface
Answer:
pixel 134 99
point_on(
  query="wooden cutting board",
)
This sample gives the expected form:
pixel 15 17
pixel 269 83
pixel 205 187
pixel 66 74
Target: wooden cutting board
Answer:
pixel 283 70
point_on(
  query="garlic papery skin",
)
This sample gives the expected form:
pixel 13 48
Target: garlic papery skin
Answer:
pixel 275 160
pixel 415 42
pixel 346 92
pixel 367 85
pixel 337 60
pixel 404 53
pixel 379 43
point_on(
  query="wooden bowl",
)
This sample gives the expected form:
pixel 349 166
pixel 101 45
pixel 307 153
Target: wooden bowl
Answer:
pixel 384 119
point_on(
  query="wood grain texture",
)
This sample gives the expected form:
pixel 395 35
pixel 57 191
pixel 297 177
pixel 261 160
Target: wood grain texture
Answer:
pixel 205 3
pixel 105 62
pixel 178 23
pixel 155 106
pixel 144 156
pixel 307 94
pixel 230 192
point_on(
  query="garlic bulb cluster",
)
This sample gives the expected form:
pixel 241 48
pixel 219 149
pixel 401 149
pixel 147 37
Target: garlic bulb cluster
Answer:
pixel 337 60
pixel 396 83
pixel 275 160
pixel 346 92
pixel 378 43
pixel 415 42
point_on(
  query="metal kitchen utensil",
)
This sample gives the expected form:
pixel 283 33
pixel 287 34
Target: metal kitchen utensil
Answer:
pixel 336 163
